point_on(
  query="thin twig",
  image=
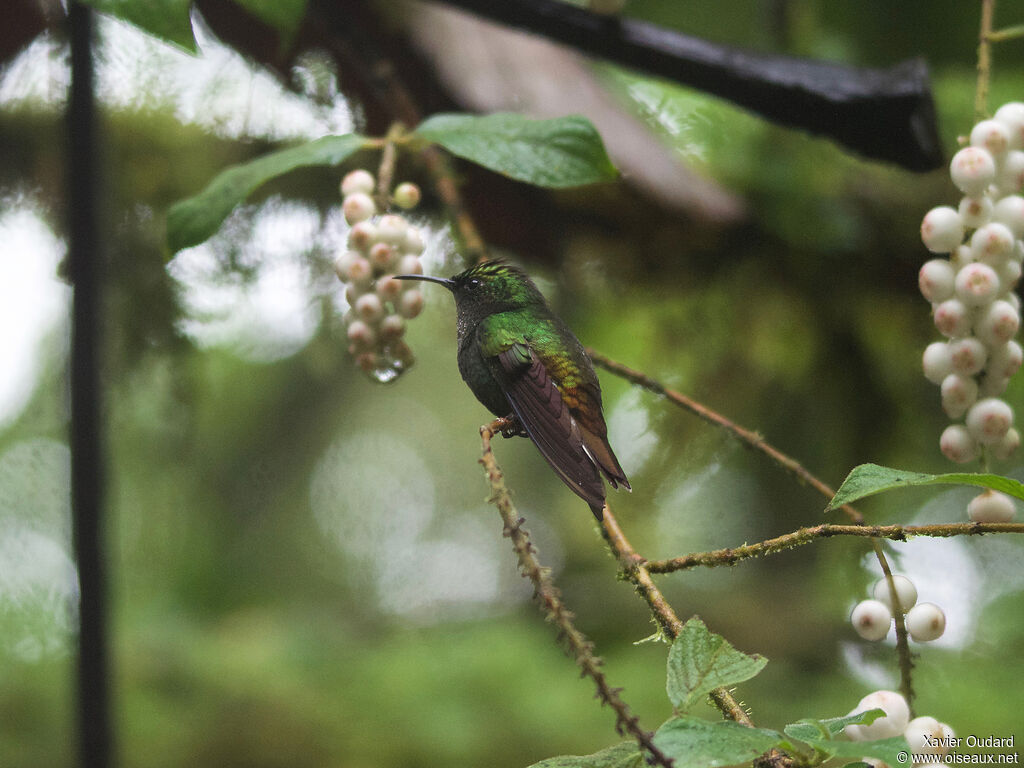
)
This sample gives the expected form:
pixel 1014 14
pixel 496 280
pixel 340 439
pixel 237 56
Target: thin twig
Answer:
pixel 386 169
pixel 550 599
pixel 1006 33
pixel 988 8
pixel 747 437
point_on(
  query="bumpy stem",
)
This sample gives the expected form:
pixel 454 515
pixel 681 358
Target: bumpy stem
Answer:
pixel 550 599
pixel 733 555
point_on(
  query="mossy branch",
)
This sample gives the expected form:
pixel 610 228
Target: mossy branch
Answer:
pixel 802 536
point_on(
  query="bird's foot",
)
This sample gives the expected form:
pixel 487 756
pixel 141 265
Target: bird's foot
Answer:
pixel 512 427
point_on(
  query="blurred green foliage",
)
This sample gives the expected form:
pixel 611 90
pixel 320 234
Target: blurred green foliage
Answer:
pixel 304 568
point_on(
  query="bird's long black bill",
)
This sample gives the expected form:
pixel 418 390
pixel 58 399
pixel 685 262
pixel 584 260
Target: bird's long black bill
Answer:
pixel 449 284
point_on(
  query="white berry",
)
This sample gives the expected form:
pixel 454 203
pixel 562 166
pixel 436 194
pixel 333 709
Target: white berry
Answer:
pixel 1012 116
pixel 976 284
pixel 1009 275
pixel 1007 446
pixel 871 619
pixel 410 265
pixel 358 207
pixel 959 393
pixel 952 318
pixel 989 420
pixel 414 242
pixel 972 170
pixel 1010 211
pixel 992 135
pixel 975 211
pixel 937 363
pixel 906 592
pixel 369 308
pixel 926 622
pixel 382 256
pixel 411 303
pixel 998 323
pixel 942 229
pixel 392 327
pixel 407 195
pixel 388 288
pixel 991 507
pixel 361 334
pixel 359 271
pixel 392 229
pixel 992 243
pixel 362 236
pixel 968 355
pixel 924 735
pixel 936 280
pixel 895 721
pixel 1005 359
pixel 957 444
pixel 358 180
pixel 1011 174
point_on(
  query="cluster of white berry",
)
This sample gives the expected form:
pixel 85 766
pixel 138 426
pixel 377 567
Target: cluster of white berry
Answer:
pixel 379 247
pixel 873 618
pixel 924 735
pixel 972 298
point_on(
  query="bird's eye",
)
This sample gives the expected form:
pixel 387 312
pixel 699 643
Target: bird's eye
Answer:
pixel 473 282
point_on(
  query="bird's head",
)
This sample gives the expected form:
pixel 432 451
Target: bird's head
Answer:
pixel 487 288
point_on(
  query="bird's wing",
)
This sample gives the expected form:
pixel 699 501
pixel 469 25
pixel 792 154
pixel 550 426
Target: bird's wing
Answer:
pixel 539 406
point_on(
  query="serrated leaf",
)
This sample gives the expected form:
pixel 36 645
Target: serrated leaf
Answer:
pixel 193 220
pixel 869 479
pixel 563 152
pixel 167 19
pixel 624 755
pixel 700 661
pixel 812 728
pixel 690 741
pixel 283 15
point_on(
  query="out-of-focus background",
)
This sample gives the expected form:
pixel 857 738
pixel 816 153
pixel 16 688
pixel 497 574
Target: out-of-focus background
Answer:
pixel 303 567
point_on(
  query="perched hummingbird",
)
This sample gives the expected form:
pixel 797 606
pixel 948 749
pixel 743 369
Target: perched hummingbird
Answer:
pixel 522 361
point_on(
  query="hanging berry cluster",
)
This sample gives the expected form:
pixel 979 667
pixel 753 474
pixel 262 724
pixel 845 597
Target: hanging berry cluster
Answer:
pixel 379 247
pixel 971 293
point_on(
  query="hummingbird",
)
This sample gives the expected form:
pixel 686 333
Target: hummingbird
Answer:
pixel 522 362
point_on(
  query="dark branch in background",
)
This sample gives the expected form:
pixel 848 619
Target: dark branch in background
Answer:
pixel 882 114
pixel 87 465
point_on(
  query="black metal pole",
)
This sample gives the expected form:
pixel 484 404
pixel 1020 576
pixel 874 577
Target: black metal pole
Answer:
pixel 87 457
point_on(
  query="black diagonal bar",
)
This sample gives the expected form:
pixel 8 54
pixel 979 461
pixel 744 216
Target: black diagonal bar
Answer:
pixel 882 114
pixel 87 456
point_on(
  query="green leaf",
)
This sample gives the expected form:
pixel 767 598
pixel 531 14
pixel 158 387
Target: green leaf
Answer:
pixel 193 220
pixel 564 152
pixel 283 15
pixel 167 19
pixel 812 728
pixel 624 755
pixel 885 750
pixel 869 479
pixel 700 661
pixel 690 741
